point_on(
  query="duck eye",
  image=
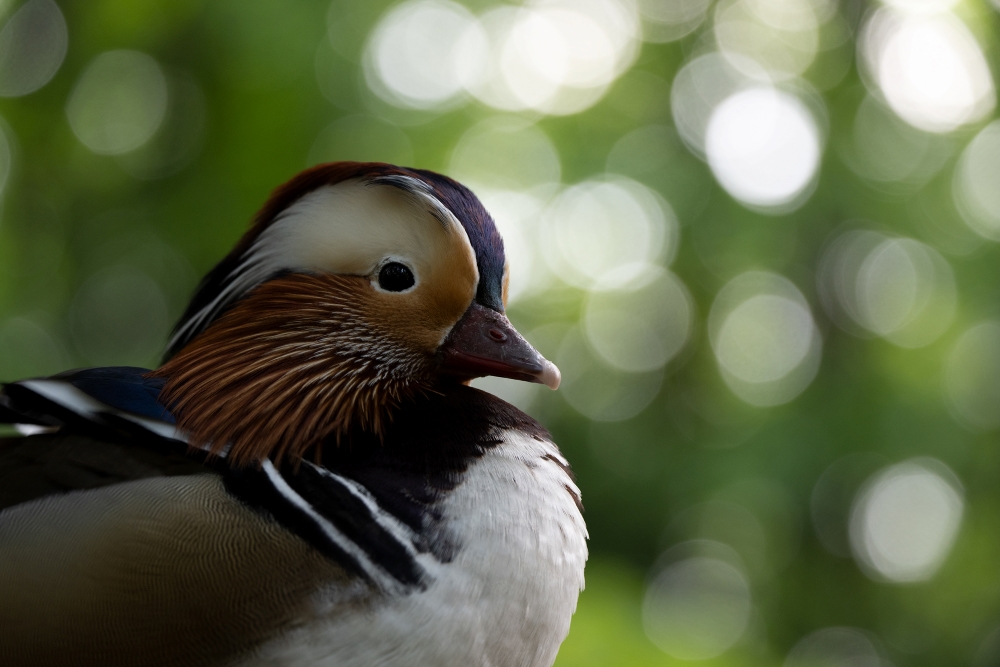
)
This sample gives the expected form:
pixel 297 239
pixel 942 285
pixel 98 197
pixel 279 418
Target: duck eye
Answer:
pixel 395 277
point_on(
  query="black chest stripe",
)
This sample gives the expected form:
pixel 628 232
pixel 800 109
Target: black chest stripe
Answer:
pixel 374 505
pixel 328 513
pixel 347 505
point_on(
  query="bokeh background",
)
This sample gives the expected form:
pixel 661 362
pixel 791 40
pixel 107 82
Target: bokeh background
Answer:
pixel 758 236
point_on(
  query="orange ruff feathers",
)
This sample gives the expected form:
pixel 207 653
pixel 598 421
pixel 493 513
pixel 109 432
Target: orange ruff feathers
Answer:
pixel 293 362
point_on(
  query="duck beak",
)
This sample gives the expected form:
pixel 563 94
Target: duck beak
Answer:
pixel 484 342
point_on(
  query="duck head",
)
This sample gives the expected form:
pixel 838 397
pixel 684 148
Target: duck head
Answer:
pixel 358 287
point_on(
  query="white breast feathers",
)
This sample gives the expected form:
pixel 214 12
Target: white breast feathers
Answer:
pixel 504 600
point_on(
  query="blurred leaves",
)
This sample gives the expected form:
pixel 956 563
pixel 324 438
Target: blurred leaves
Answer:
pixel 98 254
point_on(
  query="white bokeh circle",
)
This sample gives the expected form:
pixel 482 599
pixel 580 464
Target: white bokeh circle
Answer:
pixel 118 103
pixel 764 147
pixel 604 233
pixel 905 520
pixel 929 68
pixel 764 338
pixel 33 45
pixel 897 288
pixel 412 56
pixel 697 607
pixel 976 184
pixel 642 328
pixel 972 377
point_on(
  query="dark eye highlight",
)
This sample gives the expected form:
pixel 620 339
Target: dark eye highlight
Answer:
pixel 395 277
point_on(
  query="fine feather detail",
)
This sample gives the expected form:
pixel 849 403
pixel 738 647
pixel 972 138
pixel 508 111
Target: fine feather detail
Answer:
pixel 301 358
pixel 222 286
pixel 247 265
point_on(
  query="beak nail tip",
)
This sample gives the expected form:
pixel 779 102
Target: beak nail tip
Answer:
pixel 550 377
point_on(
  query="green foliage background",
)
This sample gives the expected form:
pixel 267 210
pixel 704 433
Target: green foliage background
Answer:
pixel 69 214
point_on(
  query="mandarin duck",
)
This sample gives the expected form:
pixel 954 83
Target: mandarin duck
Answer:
pixel 308 479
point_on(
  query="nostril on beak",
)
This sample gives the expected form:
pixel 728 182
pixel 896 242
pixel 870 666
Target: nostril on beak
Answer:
pixel 498 335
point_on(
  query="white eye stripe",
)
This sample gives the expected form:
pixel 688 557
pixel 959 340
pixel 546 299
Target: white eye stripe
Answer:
pixel 332 229
pixel 423 192
pixel 248 274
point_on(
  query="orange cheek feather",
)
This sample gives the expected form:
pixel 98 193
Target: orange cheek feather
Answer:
pixel 423 317
pixel 305 356
pixel 312 355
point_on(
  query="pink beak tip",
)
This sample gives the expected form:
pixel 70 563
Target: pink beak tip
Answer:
pixel 550 375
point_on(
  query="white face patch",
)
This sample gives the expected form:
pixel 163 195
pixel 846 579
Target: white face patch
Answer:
pixel 351 228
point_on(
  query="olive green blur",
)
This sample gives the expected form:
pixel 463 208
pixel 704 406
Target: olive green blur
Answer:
pixel 99 253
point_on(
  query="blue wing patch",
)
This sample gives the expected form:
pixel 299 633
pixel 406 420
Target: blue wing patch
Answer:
pixel 100 401
pixel 123 388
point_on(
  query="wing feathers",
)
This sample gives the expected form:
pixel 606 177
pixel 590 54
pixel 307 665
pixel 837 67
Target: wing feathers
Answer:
pixel 42 465
pixel 160 571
